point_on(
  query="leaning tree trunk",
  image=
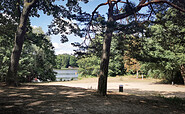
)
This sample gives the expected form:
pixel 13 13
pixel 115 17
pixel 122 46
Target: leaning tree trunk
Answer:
pixel 102 84
pixel 11 78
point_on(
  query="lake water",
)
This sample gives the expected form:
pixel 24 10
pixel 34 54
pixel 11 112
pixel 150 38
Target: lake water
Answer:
pixel 66 75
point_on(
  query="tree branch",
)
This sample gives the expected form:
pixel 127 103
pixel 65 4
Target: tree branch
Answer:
pixel 152 9
pixel 122 1
pixel 143 4
pixel 96 9
pixel 18 8
pixel 30 4
pixel 162 1
pixel 150 15
pixel 116 1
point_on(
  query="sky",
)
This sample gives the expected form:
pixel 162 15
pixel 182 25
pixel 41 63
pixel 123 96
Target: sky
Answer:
pixel 60 48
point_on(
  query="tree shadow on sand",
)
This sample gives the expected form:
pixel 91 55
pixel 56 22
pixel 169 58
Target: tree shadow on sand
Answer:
pixel 152 93
pixel 62 99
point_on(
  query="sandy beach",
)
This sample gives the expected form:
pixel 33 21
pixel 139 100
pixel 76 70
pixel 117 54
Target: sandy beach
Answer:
pixel 80 97
pixel 131 85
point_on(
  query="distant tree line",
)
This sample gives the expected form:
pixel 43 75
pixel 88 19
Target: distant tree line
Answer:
pixel 65 61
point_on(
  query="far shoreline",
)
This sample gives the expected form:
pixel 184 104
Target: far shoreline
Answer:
pixel 67 69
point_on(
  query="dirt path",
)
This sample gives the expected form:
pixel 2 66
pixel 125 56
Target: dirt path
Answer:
pixel 55 98
pixel 131 85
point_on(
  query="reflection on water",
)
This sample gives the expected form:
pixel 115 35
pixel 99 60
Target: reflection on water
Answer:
pixel 66 75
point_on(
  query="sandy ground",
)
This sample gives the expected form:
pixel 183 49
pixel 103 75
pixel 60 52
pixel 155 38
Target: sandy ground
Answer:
pixel 131 85
pixel 80 97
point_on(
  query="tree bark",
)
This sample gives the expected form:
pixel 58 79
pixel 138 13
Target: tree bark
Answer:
pixel 182 70
pixel 102 84
pixel 11 78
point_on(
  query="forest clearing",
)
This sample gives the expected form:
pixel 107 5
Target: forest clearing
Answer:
pixel 80 97
pixel 106 42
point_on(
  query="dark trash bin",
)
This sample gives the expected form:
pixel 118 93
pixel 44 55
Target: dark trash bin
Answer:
pixel 120 88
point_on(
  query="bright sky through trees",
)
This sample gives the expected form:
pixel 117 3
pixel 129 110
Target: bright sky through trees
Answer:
pixel 60 48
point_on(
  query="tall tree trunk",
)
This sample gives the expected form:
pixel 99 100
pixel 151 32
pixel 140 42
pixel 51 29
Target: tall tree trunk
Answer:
pixel 11 78
pixel 102 84
pixel 182 69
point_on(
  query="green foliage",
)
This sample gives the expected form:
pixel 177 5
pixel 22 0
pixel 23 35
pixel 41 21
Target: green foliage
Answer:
pixel 65 60
pixel 7 28
pixel 37 58
pixel 116 62
pixel 72 61
pixel 90 64
pixel 11 11
pixel 165 47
